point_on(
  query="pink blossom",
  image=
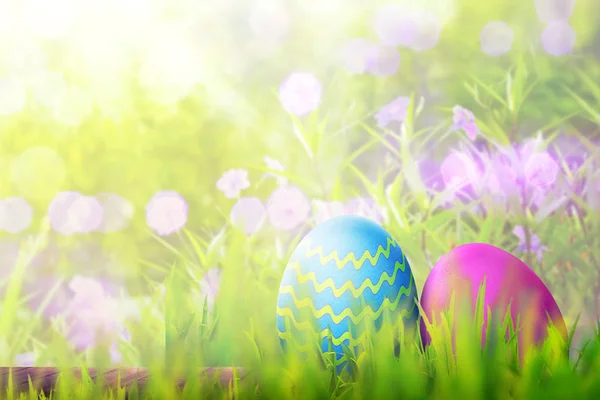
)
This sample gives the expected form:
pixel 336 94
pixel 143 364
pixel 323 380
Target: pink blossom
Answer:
pixel 458 170
pixel 72 212
pixel 465 120
pixel 300 93
pixel 232 182
pixel 275 165
pixel 287 208
pixel 248 214
pixel 166 213
pixel 94 317
pixel 394 111
pixel 541 170
pixel 15 214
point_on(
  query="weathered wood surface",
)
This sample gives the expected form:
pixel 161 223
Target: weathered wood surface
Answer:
pixel 44 378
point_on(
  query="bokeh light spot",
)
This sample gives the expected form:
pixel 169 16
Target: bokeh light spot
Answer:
pixel 357 54
pixel 117 212
pixel 394 25
pixel 427 32
pixel 248 214
pixel 269 21
pixel 15 214
pixel 385 62
pixel 558 38
pixel 72 212
pixel 166 213
pixel 300 93
pixel 554 10
pixel 47 87
pixel 38 173
pixel 12 97
pixel 170 67
pixel 72 107
pixel 49 19
pixel 496 38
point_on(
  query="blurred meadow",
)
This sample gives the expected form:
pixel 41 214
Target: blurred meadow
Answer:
pixel 148 143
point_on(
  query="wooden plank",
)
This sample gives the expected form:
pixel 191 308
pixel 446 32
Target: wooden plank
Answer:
pixel 44 378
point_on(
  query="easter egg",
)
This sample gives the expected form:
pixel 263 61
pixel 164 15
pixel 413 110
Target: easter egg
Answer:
pixel 346 277
pixel 509 284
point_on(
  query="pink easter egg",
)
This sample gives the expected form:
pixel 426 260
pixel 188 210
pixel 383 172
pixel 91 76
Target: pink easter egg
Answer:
pixel 508 282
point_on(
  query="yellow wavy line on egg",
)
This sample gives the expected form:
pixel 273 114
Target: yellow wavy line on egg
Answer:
pixel 348 285
pixel 346 312
pixel 306 326
pixel 350 257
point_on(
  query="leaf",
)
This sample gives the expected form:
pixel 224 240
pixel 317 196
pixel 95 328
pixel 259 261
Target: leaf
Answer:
pixel 300 135
pixel 549 208
pixel 490 91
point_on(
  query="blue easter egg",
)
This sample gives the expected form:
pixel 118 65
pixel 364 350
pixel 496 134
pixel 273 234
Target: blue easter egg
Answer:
pixel 346 276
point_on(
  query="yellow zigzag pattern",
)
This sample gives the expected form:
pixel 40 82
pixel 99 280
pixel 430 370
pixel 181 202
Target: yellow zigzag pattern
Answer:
pixel 347 312
pixel 306 326
pixel 348 285
pixel 350 257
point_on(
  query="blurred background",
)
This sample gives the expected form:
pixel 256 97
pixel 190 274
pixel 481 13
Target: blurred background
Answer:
pixel 137 136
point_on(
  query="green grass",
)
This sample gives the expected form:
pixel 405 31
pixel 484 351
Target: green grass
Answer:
pixel 335 153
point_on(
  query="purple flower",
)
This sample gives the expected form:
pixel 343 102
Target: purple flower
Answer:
pixel 458 170
pixel 394 25
pixel 431 175
pixel 541 170
pixel 300 93
pixel 535 245
pixel 496 38
pixel 209 286
pixel 569 151
pixel 287 208
pixel 72 212
pixel 15 214
pixel 554 10
pixel 94 317
pixel 166 213
pixel 232 182
pixel 275 165
pixel 383 61
pixel 393 111
pixel 465 120
pixel 248 214
pixel 359 55
pixel 558 38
